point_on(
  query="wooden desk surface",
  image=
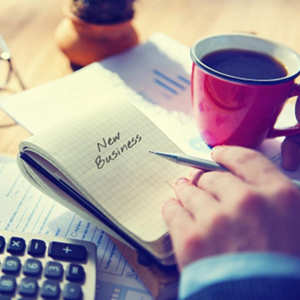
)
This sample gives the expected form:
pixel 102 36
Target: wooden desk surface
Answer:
pixel 28 27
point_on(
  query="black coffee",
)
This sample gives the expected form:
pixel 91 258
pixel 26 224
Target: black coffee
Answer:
pixel 245 64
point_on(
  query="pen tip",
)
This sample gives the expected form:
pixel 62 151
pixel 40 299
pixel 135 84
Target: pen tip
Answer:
pixel 152 152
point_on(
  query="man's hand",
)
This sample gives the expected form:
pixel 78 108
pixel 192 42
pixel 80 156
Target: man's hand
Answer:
pixel 290 147
pixel 252 208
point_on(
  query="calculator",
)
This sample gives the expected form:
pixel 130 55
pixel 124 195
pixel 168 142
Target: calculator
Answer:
pixel 46 267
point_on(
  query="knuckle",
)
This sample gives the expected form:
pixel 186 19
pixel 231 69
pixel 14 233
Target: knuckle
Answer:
pixel 249 200
pixel 287 196
pixel 209 179
pixel 248 155
pixel 206 179
pixel 181 187
pixel 187 198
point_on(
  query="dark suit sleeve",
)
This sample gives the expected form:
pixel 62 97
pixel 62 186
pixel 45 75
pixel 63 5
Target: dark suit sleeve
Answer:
pixel 246 276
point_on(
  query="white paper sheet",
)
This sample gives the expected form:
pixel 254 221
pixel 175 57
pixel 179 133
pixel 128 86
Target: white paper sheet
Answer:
pixel 25 209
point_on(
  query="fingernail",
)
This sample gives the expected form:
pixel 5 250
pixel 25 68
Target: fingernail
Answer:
pixel 215 150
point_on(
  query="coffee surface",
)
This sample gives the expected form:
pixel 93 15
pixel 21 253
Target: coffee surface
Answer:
pixel 245 64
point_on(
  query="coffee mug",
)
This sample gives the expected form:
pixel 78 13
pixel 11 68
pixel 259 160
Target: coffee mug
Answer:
pixel 240 83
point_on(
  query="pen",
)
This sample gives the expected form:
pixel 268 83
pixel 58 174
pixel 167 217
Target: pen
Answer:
pixel 197 162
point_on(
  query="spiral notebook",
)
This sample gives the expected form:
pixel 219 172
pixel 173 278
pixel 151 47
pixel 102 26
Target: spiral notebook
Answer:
pixel 100 158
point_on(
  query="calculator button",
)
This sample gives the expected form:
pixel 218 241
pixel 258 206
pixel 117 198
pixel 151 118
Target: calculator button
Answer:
pixel 53 270
pixel 16 245
pixel 72 291
pixel 7 284
pixel 50 289
pixel 32 267
pixel 2 243
pixel 37 248
pixel 68 252
pixel 75 273
pixel 11 265
pixel 35 267
pixel 28 287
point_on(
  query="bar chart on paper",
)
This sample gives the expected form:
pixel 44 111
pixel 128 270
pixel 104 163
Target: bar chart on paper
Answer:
pixel 170 86
pixel 169 90
pixel 162 78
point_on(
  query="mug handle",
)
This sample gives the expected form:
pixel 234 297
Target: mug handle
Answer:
pixel 292 130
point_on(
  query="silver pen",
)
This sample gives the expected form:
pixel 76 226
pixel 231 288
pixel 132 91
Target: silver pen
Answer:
pixel 198 163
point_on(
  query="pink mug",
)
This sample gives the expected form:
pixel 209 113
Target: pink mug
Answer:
pixel 235 109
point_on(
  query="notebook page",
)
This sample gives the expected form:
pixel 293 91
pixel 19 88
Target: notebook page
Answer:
pixel 105 152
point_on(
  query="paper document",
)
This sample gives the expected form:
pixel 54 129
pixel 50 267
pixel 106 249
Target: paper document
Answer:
pixel 158 71
pixel 25 209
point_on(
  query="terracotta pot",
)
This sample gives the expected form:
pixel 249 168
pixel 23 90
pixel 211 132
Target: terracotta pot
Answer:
pixel 84 43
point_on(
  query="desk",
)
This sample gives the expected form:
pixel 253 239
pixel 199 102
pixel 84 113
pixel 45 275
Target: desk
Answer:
pixel 28 27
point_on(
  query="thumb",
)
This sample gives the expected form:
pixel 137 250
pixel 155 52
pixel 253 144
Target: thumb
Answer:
pixel 290 154
pixel 297 109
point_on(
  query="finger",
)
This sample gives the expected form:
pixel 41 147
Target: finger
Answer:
pixel 181 228
pixel 297 109
pixel 195 175
pixel 175 214
pixel 290 154
pixel 248 164
pixel 196 201
pixel 224 186
pixel 178 221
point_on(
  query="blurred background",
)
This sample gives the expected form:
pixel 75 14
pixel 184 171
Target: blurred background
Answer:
pixel 28 27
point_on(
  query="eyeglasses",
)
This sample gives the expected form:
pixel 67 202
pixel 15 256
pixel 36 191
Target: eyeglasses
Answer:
pixel 6 66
